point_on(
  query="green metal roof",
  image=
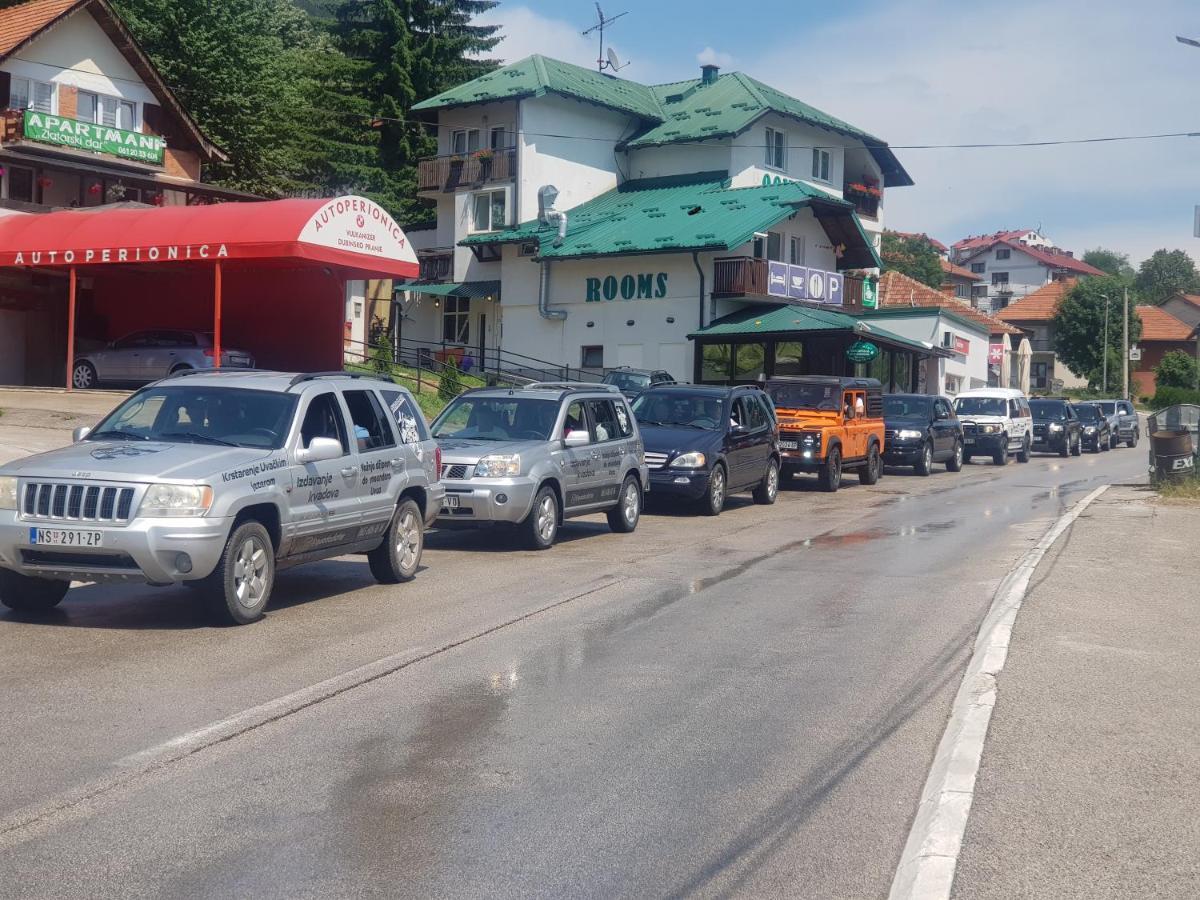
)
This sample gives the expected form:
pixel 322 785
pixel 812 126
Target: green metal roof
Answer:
pixel 783 319
pixel 537 75
pixel 685 213
pixel 471 289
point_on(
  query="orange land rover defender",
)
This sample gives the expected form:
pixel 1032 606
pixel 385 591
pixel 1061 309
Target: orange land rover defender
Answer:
pixel 828 424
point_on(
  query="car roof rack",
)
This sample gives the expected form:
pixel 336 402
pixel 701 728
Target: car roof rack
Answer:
pixel 572 386
pixel 183 373
pixel 313 376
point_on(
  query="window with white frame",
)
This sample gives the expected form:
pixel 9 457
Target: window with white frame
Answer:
pixel 489 210
pixel 821 164
pixel 464 140
pixel 29 93
pixel 978 268
pixel 796 250
pixel 498 137
pixel 456 320
pixel 1003 253
pixel 776 149
pixel 105 110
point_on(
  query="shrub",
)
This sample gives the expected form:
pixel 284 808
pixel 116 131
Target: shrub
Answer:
pixel 1169 396
pixel 381 359
pixel 1176 370
pixel 450 385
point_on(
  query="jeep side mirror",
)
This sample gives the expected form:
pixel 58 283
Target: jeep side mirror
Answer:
pixel 577 438
pixel 80 433
pixel 319 449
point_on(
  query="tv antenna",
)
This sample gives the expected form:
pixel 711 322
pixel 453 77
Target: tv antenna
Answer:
pixel 608 60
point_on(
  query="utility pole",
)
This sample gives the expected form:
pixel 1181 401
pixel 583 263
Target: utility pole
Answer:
pixel 1125 347
pixel 1104 350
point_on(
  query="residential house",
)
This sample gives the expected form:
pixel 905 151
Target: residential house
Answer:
pixel 588 221
pixel 1034 315
pixel 1014 264
pixel 1163 332
pixel 1185 307
pixel 959 281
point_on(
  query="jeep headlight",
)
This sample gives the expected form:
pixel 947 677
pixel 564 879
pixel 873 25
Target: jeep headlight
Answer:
pixel 693 460
pixel 1090 429
pixel 1054 426
pixel 8 492
pixel 499 465
pixel 908 434
pixel 990 429
pixel 176 500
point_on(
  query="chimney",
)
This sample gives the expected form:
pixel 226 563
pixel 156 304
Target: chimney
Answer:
pixel 708 73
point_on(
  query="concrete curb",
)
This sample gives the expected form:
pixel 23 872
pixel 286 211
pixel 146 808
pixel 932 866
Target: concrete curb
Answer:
pixel 927 865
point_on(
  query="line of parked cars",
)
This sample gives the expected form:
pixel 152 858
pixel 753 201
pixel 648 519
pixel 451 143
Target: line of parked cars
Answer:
pixel 218 479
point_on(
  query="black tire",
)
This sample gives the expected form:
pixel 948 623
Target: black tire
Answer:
pixel 540 527
pixel 624 517
pixel 1026 451
pixel 966 457
pixel 872 468
pixel 398 557
pixel 924 465
pixel 1096 446
pixel 767 491
pixel 1133 441
pixel 713 500
pixel 30 595
pixel 1077 447
pixel 83 375
pixel 1066 448
pixel 830 475
pixel 955 462
pixel 1000 457
pixel 232 597
pixel 1104 445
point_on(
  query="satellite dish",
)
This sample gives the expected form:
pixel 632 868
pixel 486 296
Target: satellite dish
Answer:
pixel 614 61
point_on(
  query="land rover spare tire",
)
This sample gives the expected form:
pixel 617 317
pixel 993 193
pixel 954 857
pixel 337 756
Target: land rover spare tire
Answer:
pixel 30 595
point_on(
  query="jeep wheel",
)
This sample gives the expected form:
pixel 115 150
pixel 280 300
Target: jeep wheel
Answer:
pixel 925 464
pixel 1133 440
pixel 239 588
pixel 869 473
pixel 1066 447
pixel 714 497
pixel 83 375
pixel 397 558
pixel 1026 451
pixel 1000 457
pixel 30 595
pixel 830 474
pixel 955 462
pixel 624 517
pixel 767 491
pixel 1077 447
pixel 541 525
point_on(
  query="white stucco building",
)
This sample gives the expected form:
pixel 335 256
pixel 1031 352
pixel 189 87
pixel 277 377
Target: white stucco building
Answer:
pixel 1014 264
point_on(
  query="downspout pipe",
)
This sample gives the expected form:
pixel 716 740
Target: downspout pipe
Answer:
pixel 700 272
pixel 544 309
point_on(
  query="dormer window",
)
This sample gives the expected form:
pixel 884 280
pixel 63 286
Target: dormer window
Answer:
pixel 776 149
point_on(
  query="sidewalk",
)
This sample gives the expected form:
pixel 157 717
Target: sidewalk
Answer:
pixel 1090 782
pixel 33 420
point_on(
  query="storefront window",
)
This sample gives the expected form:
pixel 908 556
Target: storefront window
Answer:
pixel 789 358
pixel 715 361
pixel 902 372
pixel 20 184
pixel 750 362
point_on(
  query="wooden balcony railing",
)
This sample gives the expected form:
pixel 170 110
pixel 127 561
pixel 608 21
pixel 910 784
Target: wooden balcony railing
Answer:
pixel 745 276
pixel 449 173
pixel 12 125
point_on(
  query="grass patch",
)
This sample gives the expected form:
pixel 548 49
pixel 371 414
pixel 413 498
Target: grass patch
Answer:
pixel 424 385
pixel 1183 490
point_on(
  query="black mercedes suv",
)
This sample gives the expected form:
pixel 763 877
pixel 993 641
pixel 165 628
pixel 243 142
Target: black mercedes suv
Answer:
pixel 1056 427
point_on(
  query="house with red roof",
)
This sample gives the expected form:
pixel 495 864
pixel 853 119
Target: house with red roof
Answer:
pixel 959 281
pixel 1034 315
pixel 1165 328
pixel 1015 264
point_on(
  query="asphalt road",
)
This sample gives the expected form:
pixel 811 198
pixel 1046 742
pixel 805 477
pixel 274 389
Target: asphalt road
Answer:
pixel 745 705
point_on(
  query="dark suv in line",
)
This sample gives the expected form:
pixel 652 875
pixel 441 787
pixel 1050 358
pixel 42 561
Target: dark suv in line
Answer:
pixel 1097 433
pixel 704 443
pixel 632 382
pixel 920 430
pixel 1056 427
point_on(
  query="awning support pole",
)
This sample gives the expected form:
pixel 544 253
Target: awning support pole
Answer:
pixel 71 330
pixel 217 315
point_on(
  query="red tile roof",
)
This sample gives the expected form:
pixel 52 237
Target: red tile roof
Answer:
pixel 1040 306
pixel 986 240
pixel 897 289
pixel 933 242
pixel 1057 260
pixel 1160 325
pixel 950 268
pixel 21 22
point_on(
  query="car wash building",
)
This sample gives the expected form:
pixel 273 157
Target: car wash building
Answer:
pixel 590 222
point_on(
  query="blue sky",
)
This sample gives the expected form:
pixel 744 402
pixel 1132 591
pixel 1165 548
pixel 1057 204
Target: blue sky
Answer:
pixel 928 71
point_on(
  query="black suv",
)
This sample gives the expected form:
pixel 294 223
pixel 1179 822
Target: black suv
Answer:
pixel 704 443
pixel 632 382
pixel 919 430
pixel 1097 432
pixel 1056 427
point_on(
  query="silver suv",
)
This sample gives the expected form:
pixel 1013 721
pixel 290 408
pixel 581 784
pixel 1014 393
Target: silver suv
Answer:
pixel 537 455
pixel 218 479
pixel 146 356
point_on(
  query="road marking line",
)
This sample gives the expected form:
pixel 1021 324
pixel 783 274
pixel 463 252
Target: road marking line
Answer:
pixel 15 828
pixel 930 857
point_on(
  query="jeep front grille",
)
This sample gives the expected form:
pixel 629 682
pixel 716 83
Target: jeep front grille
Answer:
pixel 655 460
pixel 456 472
pixel 77 502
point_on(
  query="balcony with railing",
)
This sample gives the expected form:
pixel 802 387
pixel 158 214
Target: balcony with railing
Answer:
pixel 450 173
pixel 12 125
pixel 436 265
pixel 747 278
pixel 866 198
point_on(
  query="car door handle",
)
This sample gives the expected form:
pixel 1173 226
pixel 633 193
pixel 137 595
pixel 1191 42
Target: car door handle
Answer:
pixel 349 471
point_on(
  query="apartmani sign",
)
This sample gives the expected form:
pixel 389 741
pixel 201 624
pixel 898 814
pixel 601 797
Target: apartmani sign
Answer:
pixel 47 129
pixel 643 286
pixel 802 283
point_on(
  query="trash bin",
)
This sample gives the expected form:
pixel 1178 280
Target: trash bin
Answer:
pixel 1172 451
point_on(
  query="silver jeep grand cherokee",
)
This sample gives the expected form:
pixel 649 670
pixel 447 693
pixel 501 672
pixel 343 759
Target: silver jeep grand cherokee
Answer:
pixel 215 480
pixel 537 455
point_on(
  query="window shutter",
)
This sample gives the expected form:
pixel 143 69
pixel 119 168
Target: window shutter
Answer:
pixel 5 89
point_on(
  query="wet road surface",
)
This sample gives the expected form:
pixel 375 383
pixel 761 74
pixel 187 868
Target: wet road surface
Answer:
pixel 744 705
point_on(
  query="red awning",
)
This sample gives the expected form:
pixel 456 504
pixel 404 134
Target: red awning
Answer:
pixel 353 234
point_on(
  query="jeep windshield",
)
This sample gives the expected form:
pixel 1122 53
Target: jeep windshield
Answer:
pixel 628 381
pixel 1108 407
pixel 981 406
pixel 907 407
pixel 1088 413
pixel 227 417
pixel 680 409
pixel 805 396
pixel 1048 410
pixel 497 419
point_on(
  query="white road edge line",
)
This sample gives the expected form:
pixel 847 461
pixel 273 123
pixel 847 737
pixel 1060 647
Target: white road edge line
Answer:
pixel 930 857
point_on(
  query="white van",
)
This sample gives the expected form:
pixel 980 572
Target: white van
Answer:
pixel 996 422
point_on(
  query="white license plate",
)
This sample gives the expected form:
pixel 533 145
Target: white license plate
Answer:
pixel 789 445
pixel 968 440
pixel 450 503
pixel 62 537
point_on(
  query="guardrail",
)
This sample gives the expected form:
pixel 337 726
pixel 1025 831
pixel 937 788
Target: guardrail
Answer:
pixel 448 173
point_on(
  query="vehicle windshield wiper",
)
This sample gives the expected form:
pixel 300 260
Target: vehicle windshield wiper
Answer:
pixel 203 438
pixel 117 433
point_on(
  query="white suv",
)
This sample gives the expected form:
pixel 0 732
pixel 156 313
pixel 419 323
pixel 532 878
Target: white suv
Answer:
pixel 996 422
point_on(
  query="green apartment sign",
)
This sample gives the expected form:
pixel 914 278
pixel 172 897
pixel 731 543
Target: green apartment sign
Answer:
pixel 64 132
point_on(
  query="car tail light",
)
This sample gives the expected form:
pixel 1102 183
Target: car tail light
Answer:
pixel 437 462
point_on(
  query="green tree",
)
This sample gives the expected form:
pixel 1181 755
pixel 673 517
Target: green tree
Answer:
pixel 913 256
pixel 1110 261
pixel 1176 369
pixel 449 381
pixel 1079 326
pixel 1165 273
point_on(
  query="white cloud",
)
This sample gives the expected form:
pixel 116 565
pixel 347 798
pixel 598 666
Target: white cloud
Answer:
pixel 710 57
pixel 526 32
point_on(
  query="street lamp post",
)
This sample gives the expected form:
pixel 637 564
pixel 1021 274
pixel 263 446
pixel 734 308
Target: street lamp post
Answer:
pixel 1125 345
pixel 1104 349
